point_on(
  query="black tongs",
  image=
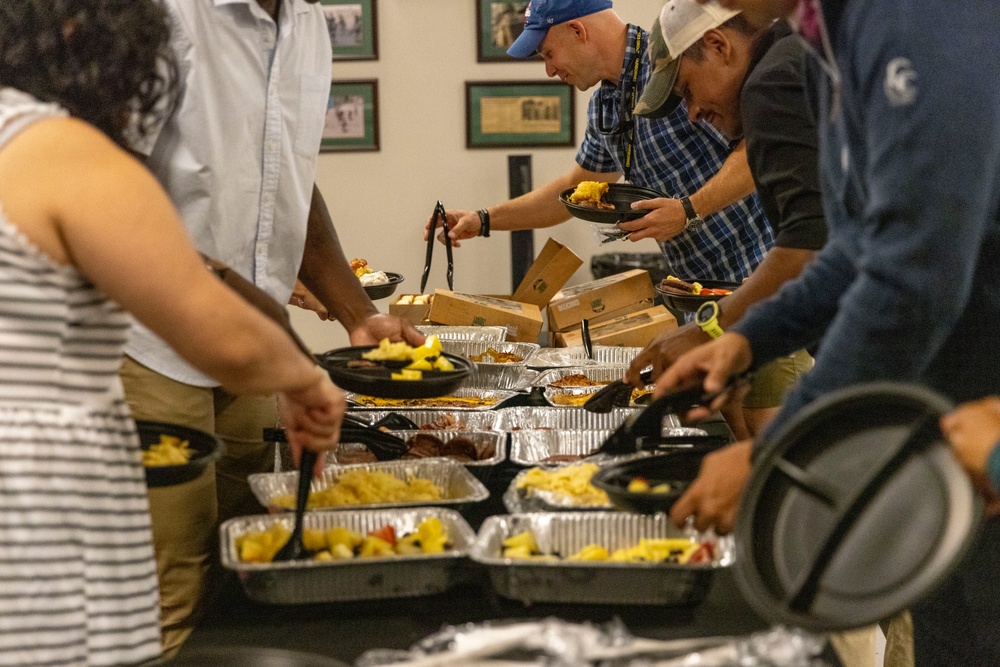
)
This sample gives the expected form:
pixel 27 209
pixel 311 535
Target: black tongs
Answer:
pixel 646 428
pixel 442 216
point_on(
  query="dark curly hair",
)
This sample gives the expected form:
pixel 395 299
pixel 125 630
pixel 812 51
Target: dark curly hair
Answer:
pixel 107 62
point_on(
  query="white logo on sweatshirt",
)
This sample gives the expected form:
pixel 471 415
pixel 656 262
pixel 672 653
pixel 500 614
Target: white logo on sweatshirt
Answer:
pixel 900 82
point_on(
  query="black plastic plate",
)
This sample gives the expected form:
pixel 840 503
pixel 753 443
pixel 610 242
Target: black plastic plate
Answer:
pixel 690 303
pixel 207 448
pixel 621 195
pixel 376 292
pixel 677 468
pixel 378 382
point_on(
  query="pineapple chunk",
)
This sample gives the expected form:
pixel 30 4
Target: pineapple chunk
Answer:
pixel 525 539
pixel 591 552
pixel 343 536
pixel 374 547
pixel 313 539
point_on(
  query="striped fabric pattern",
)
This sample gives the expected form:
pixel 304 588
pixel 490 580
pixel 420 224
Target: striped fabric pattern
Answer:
pixel 677 158
pixel 77 576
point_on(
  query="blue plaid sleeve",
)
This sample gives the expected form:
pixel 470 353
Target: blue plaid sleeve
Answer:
pixel 594 154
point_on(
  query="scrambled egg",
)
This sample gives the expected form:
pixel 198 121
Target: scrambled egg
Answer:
pixel 660 550
pixel 589 191
pixel 169 451
pixel 360 267
pixel 363 487
pixel 568 484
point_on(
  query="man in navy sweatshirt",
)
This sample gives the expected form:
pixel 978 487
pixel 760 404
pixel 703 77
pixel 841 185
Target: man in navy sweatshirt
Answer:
pixel 908 285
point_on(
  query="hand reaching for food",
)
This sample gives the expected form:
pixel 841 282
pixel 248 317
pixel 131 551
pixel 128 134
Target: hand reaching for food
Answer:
pixel 311 417
pixel 973 429
pixel 376 327
pixel 461 225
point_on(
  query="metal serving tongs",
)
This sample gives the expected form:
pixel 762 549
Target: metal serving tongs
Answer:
pixel 636 432
pixel 385 446
pixel 439 214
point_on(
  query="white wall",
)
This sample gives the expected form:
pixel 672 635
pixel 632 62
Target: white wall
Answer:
pixel 380 201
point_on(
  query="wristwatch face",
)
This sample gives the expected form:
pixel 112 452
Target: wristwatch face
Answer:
pixel 706 313
pixel 693 224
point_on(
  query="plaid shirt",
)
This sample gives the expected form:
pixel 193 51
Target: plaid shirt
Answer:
pixel 677 158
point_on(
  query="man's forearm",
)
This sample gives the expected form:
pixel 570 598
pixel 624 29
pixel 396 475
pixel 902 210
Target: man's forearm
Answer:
pixel 327 273
pixel 730 184
pixel 779 266
pixel 541 207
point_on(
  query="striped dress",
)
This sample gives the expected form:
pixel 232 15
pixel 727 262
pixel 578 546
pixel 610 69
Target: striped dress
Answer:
pixel 77 575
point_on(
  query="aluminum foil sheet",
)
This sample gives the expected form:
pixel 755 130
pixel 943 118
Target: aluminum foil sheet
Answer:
pixel 603 374
pixel 489 375
pixel 528 448
pixel 457 484
pixel 442 420
pixel 480 438
pixel 494 398
pixel 556 357
pixel 498 334
pixel 308 581
pixel 588 581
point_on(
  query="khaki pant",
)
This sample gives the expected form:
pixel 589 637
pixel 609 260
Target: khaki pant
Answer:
pixel 186 516
pixel 857 647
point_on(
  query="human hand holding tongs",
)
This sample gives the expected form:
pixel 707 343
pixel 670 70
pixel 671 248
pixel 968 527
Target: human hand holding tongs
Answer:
pixel 439 217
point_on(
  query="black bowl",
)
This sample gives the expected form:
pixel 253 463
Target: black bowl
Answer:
pixel 207 448
pixel 378 381
pixel 382 291
pixel 677 468
pixel 621 195
pixel 246 656
pixel 690 303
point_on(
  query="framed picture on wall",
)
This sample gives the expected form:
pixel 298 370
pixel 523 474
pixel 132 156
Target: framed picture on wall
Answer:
pixel 352 28
pixel 498 24
pixel 518 114
pixel 351 116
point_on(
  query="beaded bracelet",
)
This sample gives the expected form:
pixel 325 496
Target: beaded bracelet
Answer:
pixel 484 222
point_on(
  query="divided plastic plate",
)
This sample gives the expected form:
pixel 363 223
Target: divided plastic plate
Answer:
pixel 621 195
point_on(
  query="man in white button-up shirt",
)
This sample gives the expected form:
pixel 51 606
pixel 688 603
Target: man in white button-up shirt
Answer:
pixel 238 158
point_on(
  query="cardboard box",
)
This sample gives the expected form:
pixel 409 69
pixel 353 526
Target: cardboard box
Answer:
pixel 554 265
pixel 523 320
pixel 632 330
pixel 411 312
pixel 604 317
pixel 606 295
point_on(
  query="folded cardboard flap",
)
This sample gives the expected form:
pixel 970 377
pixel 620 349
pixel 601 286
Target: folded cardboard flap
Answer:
pixel 604 317
pixel 599 297
pixel 523 320
pixel 554 265
pixel 632 330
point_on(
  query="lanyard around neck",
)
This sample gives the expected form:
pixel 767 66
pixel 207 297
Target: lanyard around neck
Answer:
pixel 630 130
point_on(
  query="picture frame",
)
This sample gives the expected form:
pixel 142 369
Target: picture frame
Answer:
pixel 353 28
pixel 498 24
pixel 351 116
pixel 519 114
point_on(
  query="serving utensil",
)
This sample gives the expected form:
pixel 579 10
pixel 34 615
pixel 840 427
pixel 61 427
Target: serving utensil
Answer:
pixel 439 215
pixel 295 548
pixel 614 395
pixel 588 344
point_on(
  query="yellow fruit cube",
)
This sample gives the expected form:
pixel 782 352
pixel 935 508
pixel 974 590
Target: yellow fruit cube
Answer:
pixel 313 539
pixel 525 539
pixel 374 547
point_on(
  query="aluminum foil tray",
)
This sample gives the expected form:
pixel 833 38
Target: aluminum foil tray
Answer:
pixel 528 448
pixel 466 421
pixel 495 398
pixel 457 484
pixel 301 582
pixel 557 357
pixel 518 500
pixel 498 334
pixel 524 418
pixel 592 582
pixel 604 374
pixel 489 375
pixel 495 438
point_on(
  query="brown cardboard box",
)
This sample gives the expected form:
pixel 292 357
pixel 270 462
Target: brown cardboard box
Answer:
pixel 523 320
pixel 605 295
pixel 411 312
pixel 554 265
pixel 604 317
pixel 632 330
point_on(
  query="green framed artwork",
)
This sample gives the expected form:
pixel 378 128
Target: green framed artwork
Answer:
pixel 351 116
pixel 498 24
pixel 352 27
pixel 518 114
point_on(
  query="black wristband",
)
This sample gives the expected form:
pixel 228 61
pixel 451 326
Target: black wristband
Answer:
pixel 484 222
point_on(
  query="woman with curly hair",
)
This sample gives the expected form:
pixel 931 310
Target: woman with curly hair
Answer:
pixel 85 232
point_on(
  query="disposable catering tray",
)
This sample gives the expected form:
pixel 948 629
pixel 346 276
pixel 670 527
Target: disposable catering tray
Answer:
pixel 457 484
pixel 591 582
pixel 486 375
pixel 479 469
pixel 308 581
pixel 444 333
pixel 492 398
pixel 604 373
pixel 463 421
pixel 529 447
pixel 557 357
pixel 520 500
pixel 577 419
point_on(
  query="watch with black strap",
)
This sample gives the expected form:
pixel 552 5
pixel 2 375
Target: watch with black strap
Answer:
pixel 694 221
